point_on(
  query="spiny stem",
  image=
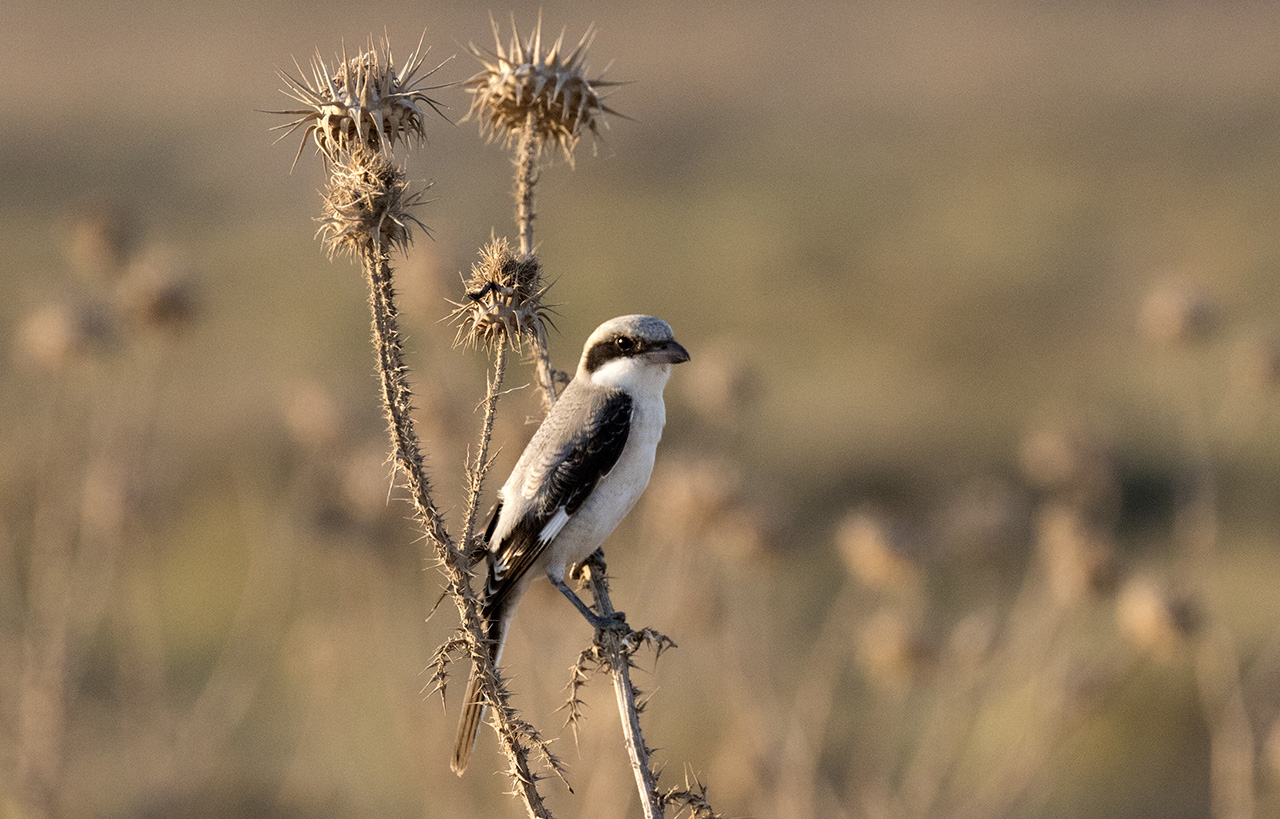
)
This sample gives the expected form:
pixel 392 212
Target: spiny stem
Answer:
pixel 407 453
pixel 480 467
pixel 546 374
pixel 397 397
pixel 528 148
pixel 619 662
pixel 615 655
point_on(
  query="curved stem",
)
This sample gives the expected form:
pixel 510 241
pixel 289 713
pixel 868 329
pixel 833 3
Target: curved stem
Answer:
pixel 397 398
pixel 514 736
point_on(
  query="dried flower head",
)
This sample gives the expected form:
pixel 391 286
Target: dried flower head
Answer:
pixel 892 650
pixel 876 552
pixel 59 336
pixel 363 101
pixel 1179 312
pixel 367 198
pixel 158 292
pixel 99 241
pixel 1077 554
pixel 522 87
pixel 503 299
pixel 1155 618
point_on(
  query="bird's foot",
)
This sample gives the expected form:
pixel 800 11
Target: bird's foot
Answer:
pixel 602 622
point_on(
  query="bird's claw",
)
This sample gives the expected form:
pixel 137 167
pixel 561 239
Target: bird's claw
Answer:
pixel 612 620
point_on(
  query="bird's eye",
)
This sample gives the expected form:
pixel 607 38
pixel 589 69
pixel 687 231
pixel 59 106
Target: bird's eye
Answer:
pixel 624 344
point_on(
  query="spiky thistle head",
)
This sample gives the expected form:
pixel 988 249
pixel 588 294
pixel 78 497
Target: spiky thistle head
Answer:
pixel 361 101
pixel 521 87
pixel 503 301
pixel 367 199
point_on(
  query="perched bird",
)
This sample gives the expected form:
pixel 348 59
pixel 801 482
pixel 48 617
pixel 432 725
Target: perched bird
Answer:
pixel 576 480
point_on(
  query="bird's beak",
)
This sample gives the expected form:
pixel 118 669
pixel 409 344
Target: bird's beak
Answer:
pixel 669 353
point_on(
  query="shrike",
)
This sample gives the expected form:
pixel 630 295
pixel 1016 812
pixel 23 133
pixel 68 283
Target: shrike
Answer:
pixel 579 476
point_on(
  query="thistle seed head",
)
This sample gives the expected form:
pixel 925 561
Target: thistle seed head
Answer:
pixel 158 292
pixel 59 336
pixel 892 650
pixel 363 101
pixel 877 553
pixel 503 301
pixel 1077 554
pixel 1178 313
pixel 521 86
pixel 1155 618
pixel 99 241
pixel 367 198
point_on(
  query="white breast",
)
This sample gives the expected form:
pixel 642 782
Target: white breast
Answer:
pixel 616 492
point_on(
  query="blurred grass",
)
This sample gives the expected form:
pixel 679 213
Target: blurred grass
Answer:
pixel 923 227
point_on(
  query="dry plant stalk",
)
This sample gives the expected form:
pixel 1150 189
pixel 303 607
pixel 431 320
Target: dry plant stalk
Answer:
pixel 355 112
pixel 613 648
pixel 1232 745
pixel 530 97
pixel 104 377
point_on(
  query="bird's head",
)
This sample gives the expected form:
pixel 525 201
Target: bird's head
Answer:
pixel 631 353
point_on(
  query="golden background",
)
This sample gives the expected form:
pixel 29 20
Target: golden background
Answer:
pixel 968 500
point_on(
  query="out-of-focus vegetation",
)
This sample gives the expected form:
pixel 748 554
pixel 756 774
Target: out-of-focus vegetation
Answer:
pixel 968 501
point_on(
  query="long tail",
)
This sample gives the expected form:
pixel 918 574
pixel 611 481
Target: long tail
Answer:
pixel 473 704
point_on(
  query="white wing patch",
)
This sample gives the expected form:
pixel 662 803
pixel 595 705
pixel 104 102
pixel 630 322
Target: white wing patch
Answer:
pixel 499 571
pixel 553 526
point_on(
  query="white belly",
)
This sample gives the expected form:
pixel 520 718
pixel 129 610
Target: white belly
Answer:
pixel 616 492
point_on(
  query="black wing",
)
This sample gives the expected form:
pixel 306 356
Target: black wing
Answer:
pixel 584 459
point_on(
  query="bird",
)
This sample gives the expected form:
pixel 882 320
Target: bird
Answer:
pixel 579 476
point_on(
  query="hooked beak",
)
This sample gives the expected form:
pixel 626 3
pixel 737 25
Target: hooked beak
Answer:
pixel 669 353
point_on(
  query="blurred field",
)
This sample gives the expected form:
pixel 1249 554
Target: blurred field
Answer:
pixel 968 500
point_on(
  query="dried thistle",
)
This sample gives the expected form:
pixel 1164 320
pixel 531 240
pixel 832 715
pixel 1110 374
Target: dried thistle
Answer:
pixel 503 300
pixel 1077 553
pixel 158 292
pixel 691 798
pixel 99 240
pixel 1154 618
pixel 364 101
pixel 522 87
pixel 877 553
pixel 1179 312
pixel 892 651
pixel 367 197
pixel 58 336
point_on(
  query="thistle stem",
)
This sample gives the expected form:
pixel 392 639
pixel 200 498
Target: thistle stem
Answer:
pixel 397 398
pixel 480 466
pixel 528 147
pixel 618 658
pixel 546 374
pixel 513 735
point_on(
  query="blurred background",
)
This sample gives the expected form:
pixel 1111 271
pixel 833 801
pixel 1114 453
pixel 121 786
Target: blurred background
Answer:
pixel 967 505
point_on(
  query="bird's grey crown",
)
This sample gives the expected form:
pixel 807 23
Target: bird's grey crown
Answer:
pixel 640 334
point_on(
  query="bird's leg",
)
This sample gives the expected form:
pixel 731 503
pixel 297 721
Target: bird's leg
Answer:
pixel 596 621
